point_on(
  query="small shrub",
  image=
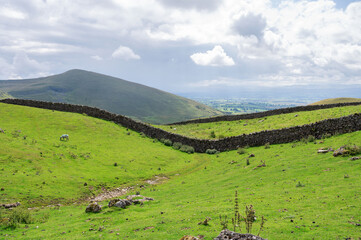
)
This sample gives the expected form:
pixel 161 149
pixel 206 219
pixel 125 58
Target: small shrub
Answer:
pixel 310 138
pixel 247 162
pixel 299 184
pixel 187 149
pixel 177 145
pixel 212 135
pixel 221 136
pixel 212 151
pixel 167 142
pixel 19 215
pixel 267 146
pixel 326 135
pixel 353 149
pixel 241 151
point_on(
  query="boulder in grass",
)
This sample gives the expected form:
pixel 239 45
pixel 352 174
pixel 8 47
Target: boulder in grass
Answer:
pixel 340 152
pixel 93 207
pixel 229 235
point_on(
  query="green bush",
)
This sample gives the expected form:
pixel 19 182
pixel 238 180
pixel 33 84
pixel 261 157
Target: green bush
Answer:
pixel 187 149
pixel 311 138
pixel 212 151
pixel 212 135
pixel 299 184
pixel 267 146
pixel 19 215
pixel 166 142
pixel 326 135
pixel 241 151
pixel 177 145
pixel 353 149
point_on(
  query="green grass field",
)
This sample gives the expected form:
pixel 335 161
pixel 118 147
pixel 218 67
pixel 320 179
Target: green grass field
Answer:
pixel 234 128
pixel 328 206
pixel 337 100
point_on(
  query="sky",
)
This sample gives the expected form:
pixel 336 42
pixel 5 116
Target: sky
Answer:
pixel 188 46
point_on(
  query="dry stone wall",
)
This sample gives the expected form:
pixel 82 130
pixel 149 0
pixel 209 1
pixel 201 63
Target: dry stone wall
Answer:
pixel 265 113
pixel 330 126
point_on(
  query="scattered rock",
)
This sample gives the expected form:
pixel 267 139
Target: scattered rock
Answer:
pixel 229 235
pixel 139 199
pixel 93 207
pixel 296 115
pixel 146 228
pixel 339 152
pixel 324 150
pixel 251 155
pixel 355 158
pixel 189 238
pixel 10 205
pixel 122 203
pixel 262 165
pixel 1 131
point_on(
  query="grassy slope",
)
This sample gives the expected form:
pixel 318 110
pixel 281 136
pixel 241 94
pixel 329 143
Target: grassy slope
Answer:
pixel 234 128
pixel 336 100
pixel 109 93
pixel 94 146
pixel 323 209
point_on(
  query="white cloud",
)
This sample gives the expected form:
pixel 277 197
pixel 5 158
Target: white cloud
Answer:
pixel 215 57
pixel 125 53
pixel 97 58
pixel 308 39
pixel 9 12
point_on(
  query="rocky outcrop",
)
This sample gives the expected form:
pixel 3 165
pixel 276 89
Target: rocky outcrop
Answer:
pixel 229 235
pixel 10 205
pixel 93 208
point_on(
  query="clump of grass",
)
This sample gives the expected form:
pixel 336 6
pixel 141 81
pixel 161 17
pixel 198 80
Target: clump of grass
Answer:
pixel 212 135
pixel 267 145
pixel 326 135
pixel 212 151
pixel 166 142
pixel 187 149
pixel 18 216
pixel 299 184
pixel 353 149
pixel 177 145
pixel 310 138
pixel 241 151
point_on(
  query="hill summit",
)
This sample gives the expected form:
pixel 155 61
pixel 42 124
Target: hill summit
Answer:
pixel 112 94
pixel 336 100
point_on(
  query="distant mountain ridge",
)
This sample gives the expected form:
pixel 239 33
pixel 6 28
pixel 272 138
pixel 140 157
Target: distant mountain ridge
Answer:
pixel 112 94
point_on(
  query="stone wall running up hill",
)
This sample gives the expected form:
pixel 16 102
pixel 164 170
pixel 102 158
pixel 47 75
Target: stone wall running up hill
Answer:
pixel 265 113
pixel 330 126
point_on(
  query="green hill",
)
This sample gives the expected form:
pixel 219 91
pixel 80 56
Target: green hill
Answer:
pixel 223 129
pixel 302 194
pixel 109 93
pixel 336 100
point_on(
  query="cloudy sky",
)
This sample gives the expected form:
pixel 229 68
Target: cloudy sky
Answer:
pixel 186 45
